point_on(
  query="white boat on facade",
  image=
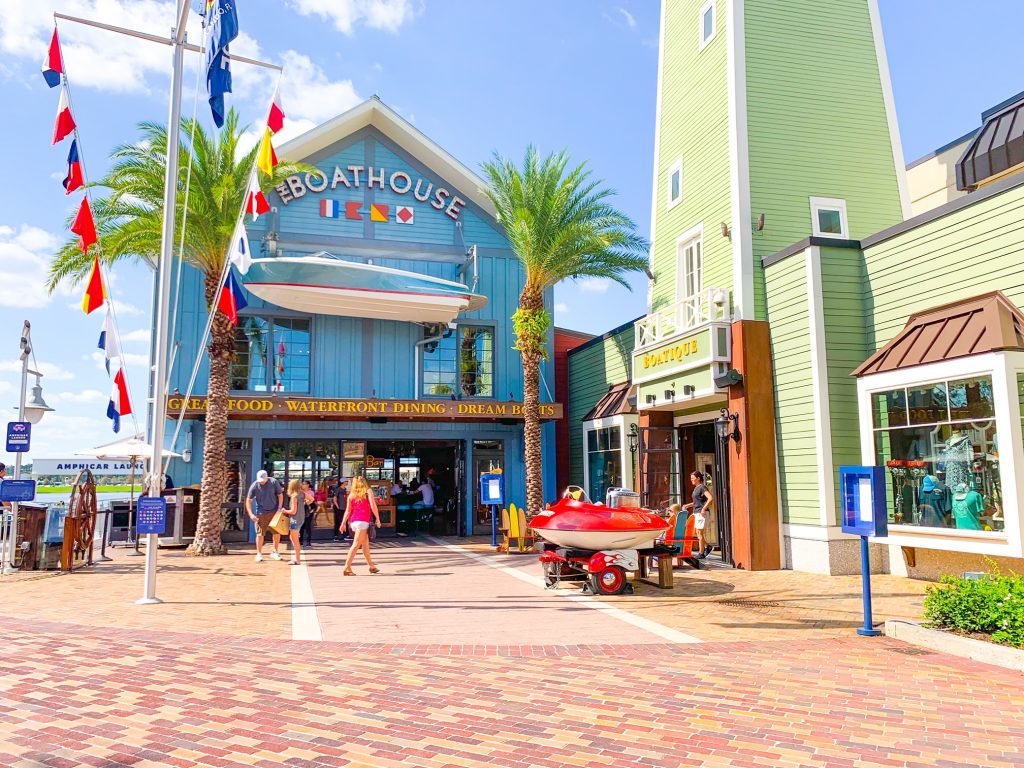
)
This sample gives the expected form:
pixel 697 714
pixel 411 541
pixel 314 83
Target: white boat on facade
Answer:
pixel 326 285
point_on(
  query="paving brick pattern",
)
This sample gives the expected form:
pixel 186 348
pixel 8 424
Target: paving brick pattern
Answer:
pixel 137 698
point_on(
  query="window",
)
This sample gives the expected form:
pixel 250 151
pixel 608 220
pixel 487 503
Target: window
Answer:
pixel 690 274
pixel 707 23
pixel 939 446
pixel 675 183
pixel 272 354
pixel 604 461
pixel 460 364
pixel 828 217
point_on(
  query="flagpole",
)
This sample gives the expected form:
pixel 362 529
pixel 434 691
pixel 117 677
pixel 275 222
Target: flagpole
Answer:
pixel 156 475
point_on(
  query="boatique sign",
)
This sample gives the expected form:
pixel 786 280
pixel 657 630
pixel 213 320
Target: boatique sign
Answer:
pixel 361 409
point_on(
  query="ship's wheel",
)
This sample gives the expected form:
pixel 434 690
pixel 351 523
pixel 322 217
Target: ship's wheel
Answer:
pixel 82 508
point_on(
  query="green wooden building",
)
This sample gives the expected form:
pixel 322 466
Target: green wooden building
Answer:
pixel 799 319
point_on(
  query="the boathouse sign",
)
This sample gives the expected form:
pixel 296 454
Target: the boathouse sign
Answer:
pixel 361 409
pixel 353 177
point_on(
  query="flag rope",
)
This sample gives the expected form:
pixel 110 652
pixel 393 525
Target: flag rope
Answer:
pixel 99 244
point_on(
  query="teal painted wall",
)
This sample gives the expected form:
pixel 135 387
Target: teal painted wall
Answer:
pixel 816 122
pixel 695 128
pixel 593 367
pixel 789 319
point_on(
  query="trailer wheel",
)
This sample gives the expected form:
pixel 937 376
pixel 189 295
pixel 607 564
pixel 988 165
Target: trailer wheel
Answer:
pixel 610 580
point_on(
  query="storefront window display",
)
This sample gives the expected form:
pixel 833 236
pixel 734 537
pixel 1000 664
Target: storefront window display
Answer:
pixel 271 355
pixel 604 461
pixel 460 364
pixel 938 442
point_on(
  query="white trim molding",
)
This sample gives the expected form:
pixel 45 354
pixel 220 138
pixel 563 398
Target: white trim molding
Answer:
pixel 890 108
pixel 819 377
pixel 657 153
pixel 829 204
pixel 739 169
pixel 701 40
pixel 693 234
pixel 623 422
pixel 672 202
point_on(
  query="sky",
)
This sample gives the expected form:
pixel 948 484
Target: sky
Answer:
pixel 477 77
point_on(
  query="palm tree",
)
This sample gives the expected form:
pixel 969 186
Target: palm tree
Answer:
pixel 129 222
pixel 560 224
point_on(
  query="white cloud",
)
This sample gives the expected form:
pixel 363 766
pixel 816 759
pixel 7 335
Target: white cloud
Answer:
pixel 630 21
pixel 561 307
pixel 140 334
pixel 129 358
pixel 85 396
pixel 49 370
pixel 26 254
pixel 594 285
pixel 388 15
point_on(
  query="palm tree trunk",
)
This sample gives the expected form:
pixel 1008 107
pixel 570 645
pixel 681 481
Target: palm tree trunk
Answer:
pixel 215 469
pixel 531 303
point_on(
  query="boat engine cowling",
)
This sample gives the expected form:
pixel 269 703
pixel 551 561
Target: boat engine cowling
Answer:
pixel 622 498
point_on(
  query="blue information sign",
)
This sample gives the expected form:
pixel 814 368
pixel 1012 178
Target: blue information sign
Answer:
pixel 492 488
pixel 151 515
pixel 862 490
pixel 19 435
pixel 17 490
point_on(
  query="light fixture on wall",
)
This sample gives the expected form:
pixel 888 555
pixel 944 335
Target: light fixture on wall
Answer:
pixel 670 394
pixel 689 389
pixel 725 229
pixel 186 452
pixel 727 425
pixel 651 399
pixel 633 436
pixel 759 224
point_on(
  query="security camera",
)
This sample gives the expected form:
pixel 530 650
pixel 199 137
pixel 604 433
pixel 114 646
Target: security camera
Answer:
pixel 730 378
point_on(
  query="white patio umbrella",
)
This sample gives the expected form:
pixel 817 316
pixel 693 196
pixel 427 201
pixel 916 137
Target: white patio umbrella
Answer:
pixel 131 449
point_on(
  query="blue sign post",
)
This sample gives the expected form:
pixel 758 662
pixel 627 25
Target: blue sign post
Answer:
pixel 864 514
pixel 19 436
pixel 17 490
pixel 151 515
pixel 492 493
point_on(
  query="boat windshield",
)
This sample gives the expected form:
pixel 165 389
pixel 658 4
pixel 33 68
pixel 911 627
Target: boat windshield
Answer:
pixel 576 493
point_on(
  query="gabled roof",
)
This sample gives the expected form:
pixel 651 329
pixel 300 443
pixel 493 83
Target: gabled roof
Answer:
pixel 374 112
pixel 986 323
pixel 614 403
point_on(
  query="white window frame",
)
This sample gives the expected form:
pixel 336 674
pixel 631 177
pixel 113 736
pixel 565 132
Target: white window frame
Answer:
pixel 623 422
pixel 701 40
pixel 695 235
pixel 829 204
pixel 676 167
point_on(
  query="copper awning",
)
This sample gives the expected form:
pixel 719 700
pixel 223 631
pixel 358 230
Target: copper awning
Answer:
pixel 986 323
pixel 616 401
pixel 996 148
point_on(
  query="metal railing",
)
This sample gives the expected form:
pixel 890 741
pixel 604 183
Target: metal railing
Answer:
pixel 707 306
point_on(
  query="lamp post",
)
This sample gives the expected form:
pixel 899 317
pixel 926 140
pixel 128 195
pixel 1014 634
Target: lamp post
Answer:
pixel 30 410
pixel 727 425
pixel 633 437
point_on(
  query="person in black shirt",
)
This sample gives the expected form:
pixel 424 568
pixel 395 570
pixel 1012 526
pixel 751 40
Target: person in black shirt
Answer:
pixel 701 507
pixel 338 503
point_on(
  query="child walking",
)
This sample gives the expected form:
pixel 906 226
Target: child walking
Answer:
pixel 358 511
pixel 296 511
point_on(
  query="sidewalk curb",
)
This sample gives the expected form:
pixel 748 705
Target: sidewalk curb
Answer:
pixel 955 645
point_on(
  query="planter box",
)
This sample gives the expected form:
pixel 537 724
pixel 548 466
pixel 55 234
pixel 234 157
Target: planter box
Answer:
pixel 955 645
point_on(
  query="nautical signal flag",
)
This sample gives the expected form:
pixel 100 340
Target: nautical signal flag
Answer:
pixel 74 178
pixel 255 201
pixel 330 209
pixel 108 340
pixel 65 122
pixel 119 404
pixel 95 293
pixel 405 214
pixel 53 68
pixel 267 158
pixel 239 254
pixel 275 120
pixel 231 300
pixel 378 212
pixel 84 226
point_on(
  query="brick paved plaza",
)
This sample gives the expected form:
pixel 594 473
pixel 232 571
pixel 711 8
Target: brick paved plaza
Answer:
pixel 444 660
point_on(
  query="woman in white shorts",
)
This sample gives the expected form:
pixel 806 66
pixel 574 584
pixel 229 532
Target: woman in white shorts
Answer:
pixel 358 512
pixel 701 506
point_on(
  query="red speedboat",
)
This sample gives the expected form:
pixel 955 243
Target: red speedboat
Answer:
pixel 578 523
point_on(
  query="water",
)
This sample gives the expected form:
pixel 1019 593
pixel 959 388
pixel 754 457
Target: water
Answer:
pixel 102 499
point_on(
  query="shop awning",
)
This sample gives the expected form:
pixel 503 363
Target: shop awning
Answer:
pixel 986 323
pixel 616 401
pixel 996 148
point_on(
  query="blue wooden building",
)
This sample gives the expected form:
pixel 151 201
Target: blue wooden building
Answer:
pixel 317 396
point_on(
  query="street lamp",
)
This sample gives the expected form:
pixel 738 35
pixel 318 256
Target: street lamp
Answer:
pixel 633 437
pixel 727 425
pixel 31 411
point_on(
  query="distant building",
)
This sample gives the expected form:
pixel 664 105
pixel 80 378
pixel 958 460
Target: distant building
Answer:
pixel 565 341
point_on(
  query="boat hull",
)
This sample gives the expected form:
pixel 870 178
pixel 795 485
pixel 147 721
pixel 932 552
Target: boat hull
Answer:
pixel 582 525
pixel 328 286
pixel 600 540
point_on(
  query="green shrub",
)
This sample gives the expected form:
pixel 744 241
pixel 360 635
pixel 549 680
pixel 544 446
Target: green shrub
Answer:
pixel 993 605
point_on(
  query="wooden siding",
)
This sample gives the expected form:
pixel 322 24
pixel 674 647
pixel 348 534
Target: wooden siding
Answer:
pixel 694 127
pixel 565 340
pixel 842 285
pixel 973 250
pixel 816 122
pixel 592 369
pixel 789 319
